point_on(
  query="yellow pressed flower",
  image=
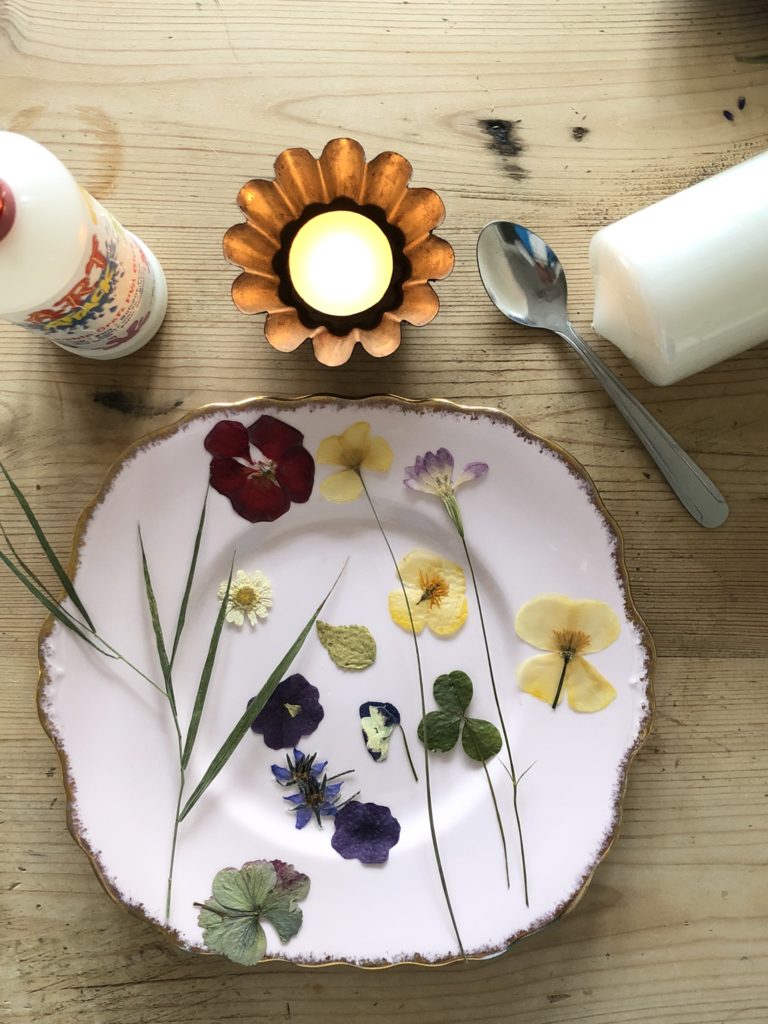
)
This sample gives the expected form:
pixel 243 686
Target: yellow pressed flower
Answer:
pixel 436 590
pixel 353 450
pixel 569 629
pixel 250 595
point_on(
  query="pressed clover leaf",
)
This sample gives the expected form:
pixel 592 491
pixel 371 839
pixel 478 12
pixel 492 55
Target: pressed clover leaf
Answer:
pixel 453 692
pixel 442 729
pixel 481 740
pixel 261 890
pixel 352 648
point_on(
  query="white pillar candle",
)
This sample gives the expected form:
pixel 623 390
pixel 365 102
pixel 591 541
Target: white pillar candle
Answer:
pixel 683 284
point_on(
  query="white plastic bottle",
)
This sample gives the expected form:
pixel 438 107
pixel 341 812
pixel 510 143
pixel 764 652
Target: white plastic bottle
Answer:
pixel 683 284
pixel 69 271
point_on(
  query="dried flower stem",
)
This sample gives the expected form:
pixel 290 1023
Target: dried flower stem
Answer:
pixel 498 819
pixel 430 812
pixel 512 772
pixel 566 659
pixel 408 752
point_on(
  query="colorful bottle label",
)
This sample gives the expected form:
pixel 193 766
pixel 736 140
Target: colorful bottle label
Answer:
pixel 110 298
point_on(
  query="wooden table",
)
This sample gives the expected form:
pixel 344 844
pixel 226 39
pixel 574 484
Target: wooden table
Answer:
pixel 162 109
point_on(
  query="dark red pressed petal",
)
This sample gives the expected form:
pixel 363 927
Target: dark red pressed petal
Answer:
pixel 227 475
pixel 295 473
pixel 228 438
pixel 273 437
pixel 260 500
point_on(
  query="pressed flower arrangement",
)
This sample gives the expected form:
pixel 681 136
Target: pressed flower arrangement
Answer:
pixel 408 734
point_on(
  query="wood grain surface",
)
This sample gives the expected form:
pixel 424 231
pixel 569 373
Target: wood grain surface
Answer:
pixel 163 108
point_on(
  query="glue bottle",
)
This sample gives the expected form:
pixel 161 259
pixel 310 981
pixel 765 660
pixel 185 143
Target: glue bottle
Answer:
pixel 69 271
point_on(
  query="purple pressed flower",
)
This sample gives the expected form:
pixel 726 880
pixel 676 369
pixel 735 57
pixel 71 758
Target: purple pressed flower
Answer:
pixel 292 711
pixel 365 832
pixel 432 473
pixel 317 794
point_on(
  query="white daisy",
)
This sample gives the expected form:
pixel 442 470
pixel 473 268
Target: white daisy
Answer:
pixel 249 595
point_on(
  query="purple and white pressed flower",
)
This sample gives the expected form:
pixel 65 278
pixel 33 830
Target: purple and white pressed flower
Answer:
pixel 294 710
pixel 365 832
pixel 317 794
pixel 432 473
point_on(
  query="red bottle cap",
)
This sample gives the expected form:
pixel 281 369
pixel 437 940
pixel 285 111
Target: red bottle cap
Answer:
pixel 7 209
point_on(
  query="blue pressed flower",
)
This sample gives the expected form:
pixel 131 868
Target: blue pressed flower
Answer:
pixel 317 795
pixel 365 832
pixel 294 710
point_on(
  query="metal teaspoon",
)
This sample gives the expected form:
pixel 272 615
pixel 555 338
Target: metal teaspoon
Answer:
pixel 526 282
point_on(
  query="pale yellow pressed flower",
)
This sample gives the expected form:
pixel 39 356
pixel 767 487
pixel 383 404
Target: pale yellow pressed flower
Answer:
pixel 569 629
pixel 250 595
pixel 437 594
pixel 353 450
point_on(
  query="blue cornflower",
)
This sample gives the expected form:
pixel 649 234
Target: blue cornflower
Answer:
pixel 317 794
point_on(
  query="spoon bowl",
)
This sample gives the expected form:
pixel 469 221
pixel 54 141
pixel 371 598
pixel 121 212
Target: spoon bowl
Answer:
pixel 526 282
pixel 522 275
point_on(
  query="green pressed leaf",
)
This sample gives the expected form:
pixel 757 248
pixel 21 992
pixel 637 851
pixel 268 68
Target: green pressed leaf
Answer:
pixel 243 724
pixel 24 567
pixel 247 888
pixel 205 676
pixel 242 899
pixel 162 654
pixel 453 692
pixel 50 554
pixel 240 939
pixel 442 729
pixel 190 577
pixel 279 907
pixel 480 739
pixel 352 648
pixel 53 607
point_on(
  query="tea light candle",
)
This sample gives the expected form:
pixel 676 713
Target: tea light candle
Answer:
pixel 683 284
pixel 340 263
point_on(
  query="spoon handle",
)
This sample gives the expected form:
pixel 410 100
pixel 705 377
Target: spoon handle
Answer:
pixel 692 486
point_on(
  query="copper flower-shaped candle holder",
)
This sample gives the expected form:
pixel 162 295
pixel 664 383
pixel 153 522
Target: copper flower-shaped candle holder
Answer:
pixel 340 180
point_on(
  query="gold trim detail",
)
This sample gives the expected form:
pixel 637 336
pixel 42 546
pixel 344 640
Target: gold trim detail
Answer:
pixel 380 401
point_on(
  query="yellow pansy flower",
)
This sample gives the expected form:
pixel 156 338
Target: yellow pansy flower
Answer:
pixel 437 594
pixel 569 629
pixel 353 450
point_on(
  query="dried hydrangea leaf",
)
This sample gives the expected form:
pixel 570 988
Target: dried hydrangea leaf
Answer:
pixel 240 939
pixel 352 648
pixel 242 898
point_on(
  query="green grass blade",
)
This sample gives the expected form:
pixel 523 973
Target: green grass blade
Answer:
pixel 23 565
pixel 55 609
pixel 50 554
pixel 244 722
pixel 205 677
pixel 190 577
pixel 162 653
